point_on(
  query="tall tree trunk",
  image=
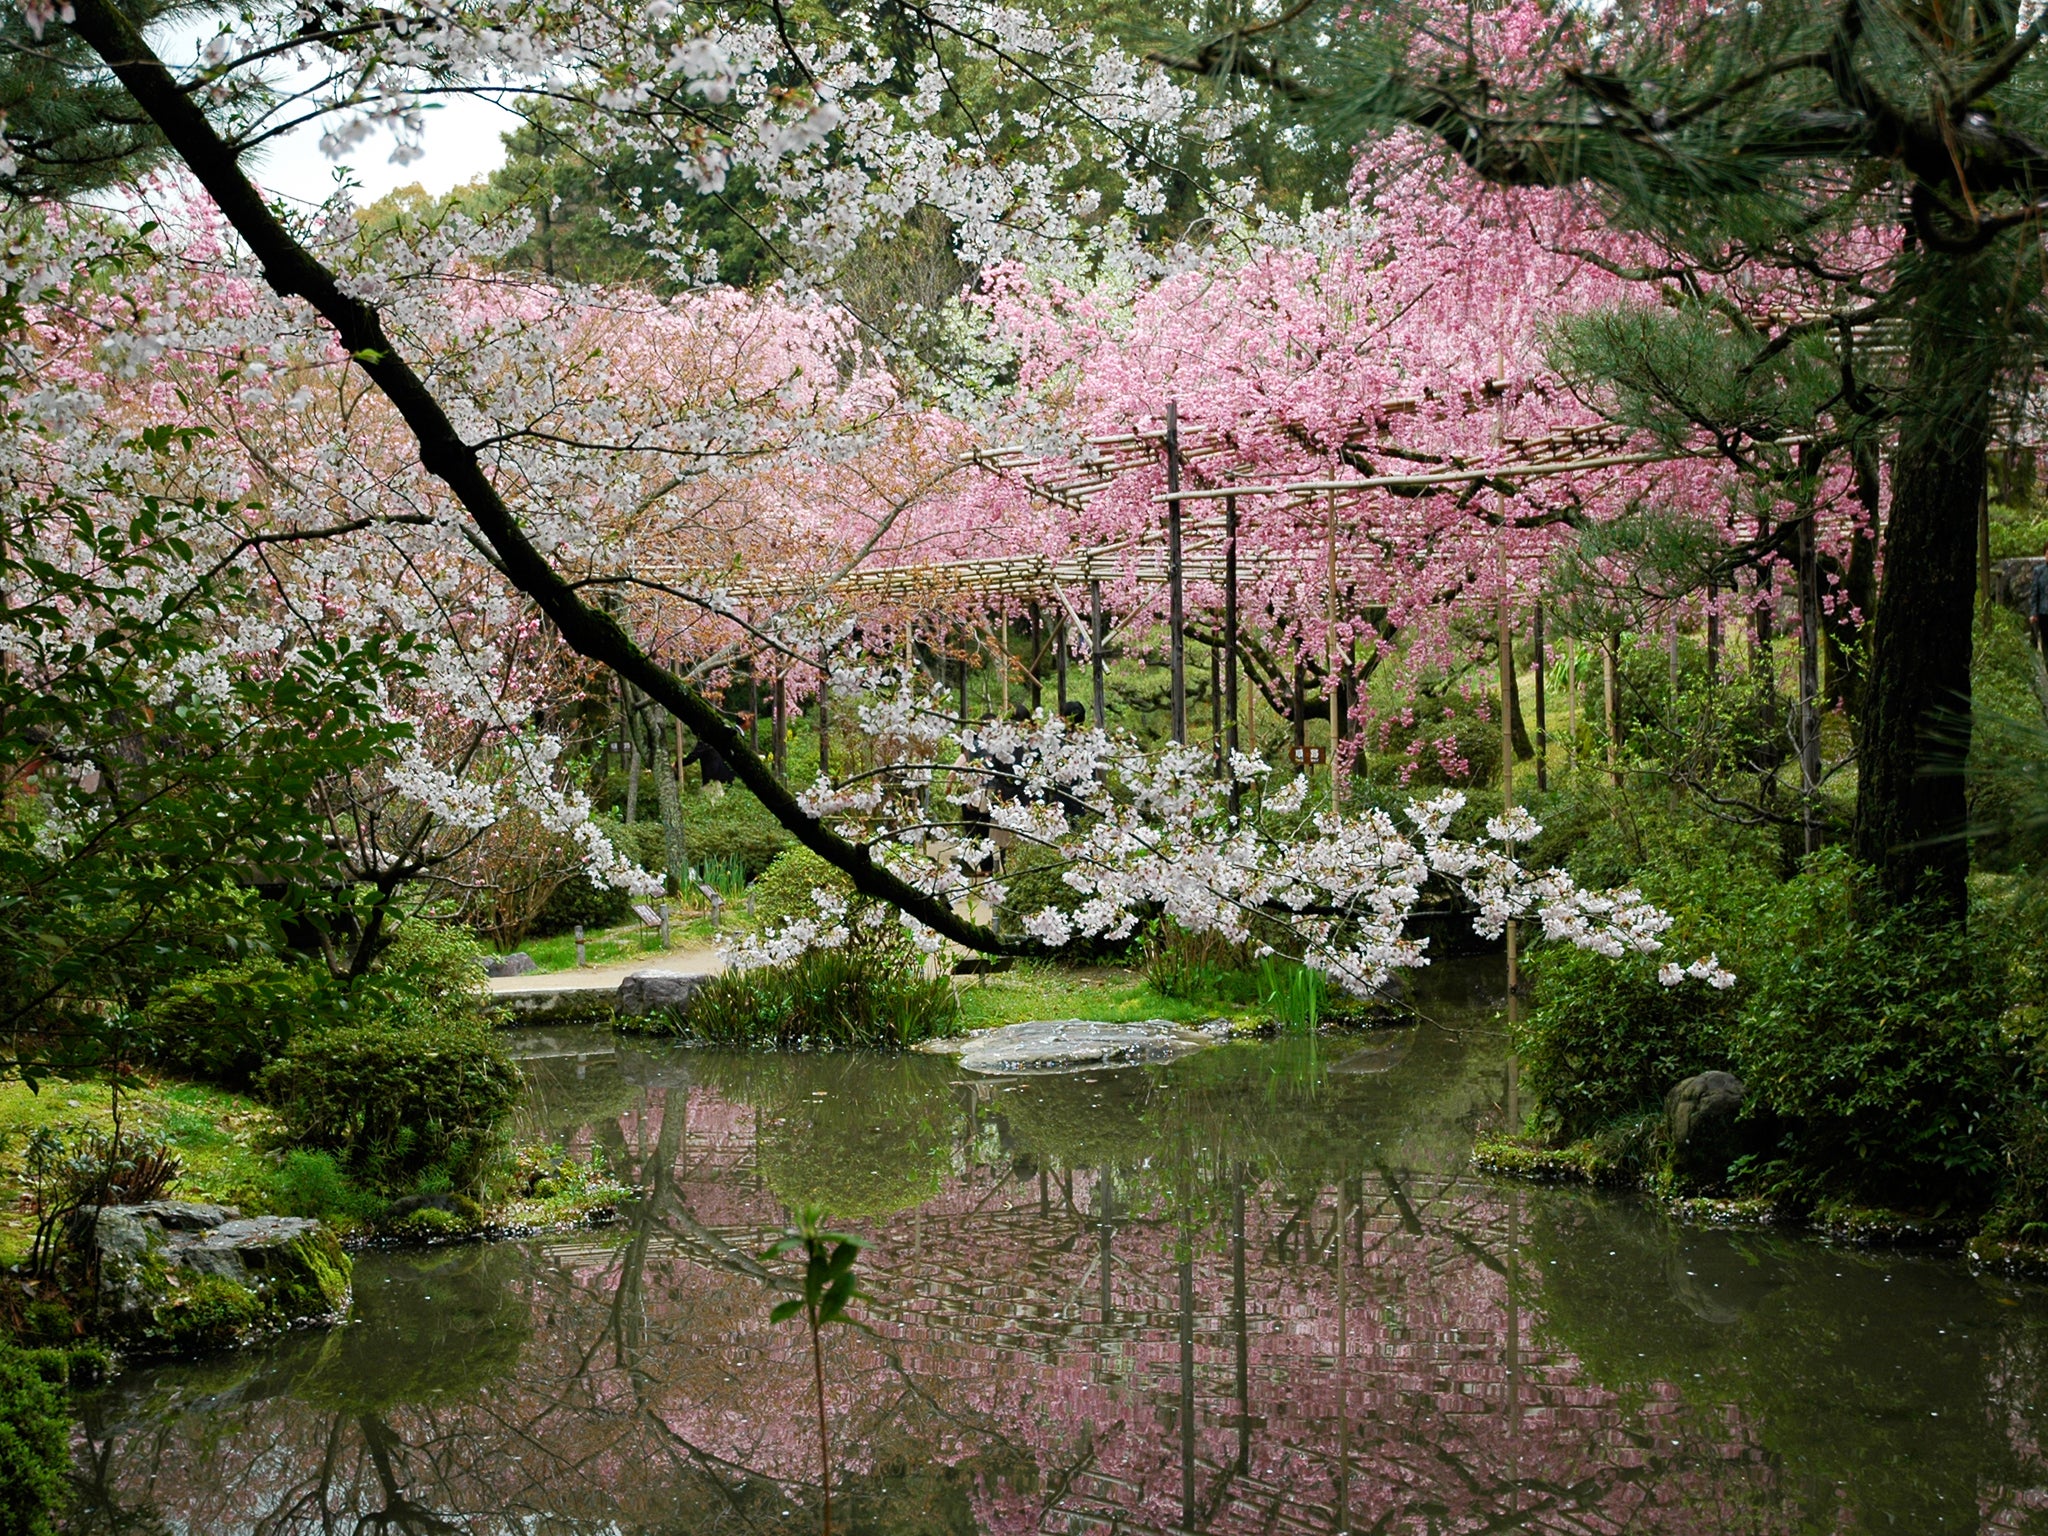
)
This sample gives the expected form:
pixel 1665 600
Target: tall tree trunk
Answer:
pixel 1916 723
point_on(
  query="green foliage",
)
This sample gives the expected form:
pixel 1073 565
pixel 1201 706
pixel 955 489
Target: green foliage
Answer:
pixel 222 1025
pixel 1870 1033
pixel 577 902
pixel 827 999
pixel 734 825
pixel 35 1442
pixel 1295 995
pixel 431 973
pixel 1605 1040
pixel 782 893
pixel 208 1312
pixel 829 1282
pixel 113 846
pixel 310 1183
pixel 395 1100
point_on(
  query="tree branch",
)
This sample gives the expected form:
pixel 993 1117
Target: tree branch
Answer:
pixel 293 271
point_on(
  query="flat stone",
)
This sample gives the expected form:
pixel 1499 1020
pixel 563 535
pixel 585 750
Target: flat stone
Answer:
pixel 183 1215
pixel 646 992
pixel 519 963
pixel 1042 1046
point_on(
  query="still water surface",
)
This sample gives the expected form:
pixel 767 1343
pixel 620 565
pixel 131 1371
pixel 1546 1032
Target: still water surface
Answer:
pixel 1256 1291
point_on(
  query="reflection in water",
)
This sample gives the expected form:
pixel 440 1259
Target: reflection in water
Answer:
pixel 1252 1291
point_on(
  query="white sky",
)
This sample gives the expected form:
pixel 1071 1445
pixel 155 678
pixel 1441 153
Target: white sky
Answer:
pixel 463 141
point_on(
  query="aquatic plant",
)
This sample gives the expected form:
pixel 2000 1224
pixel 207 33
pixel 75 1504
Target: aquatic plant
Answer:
pixel 829 1284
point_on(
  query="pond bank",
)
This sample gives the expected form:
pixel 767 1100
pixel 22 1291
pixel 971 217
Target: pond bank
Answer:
pixel 1240 1292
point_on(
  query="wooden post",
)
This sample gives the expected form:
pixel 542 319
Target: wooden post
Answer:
pixel 1003 650
pixel 1542 719
pixel 1059 643
pixel 1571 705
pixel 1713 631
pixel 1037 652
pixel 963 693
pixel 1230 644
pixel 754 710
pixel 1984 547
pixel 1095 647
pixel 824 713
pixel 779 737
pixel 1330 682
pixel 1300 711
pixel 1610 665
pixel 1809 684
pixel 1175 616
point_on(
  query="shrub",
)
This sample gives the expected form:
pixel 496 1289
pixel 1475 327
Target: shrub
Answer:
pixel 1870 1030
pixel 311 1183
pixel 1606 1041
pixel 35 1442
pixel 783 892
pixel 223 1025
pixel 393 1100
pixel 734 825
pixel 430 973
pixel 831 999
pixel 576 900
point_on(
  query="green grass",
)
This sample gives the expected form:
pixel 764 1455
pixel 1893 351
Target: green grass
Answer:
pixel 628 942
pixel 218 1135
pixel 1040 991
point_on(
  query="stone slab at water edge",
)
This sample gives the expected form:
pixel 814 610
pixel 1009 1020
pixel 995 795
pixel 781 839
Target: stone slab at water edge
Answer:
pixel 177 1276
pixel 1073 1045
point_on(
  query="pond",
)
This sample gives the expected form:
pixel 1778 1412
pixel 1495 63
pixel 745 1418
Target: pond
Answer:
pixel 1253 1291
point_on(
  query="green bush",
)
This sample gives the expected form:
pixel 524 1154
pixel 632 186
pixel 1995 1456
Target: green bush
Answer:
pixel 35 1441
pixel 223 1025
pixel 1605 1041
pixel 734 825
pixel 832 999
pixel 1870 1032
pixel 395 1100
pixel 430 973
pixel 782 893
pixel 309 1183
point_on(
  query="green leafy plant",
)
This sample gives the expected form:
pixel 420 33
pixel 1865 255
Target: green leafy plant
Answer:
pixel 1295 995
pixel 828 1285
pixel 35 1439
pixel 394 1101
pixel 830 999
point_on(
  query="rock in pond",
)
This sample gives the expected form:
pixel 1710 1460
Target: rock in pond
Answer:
pixel 176 1275
pixel 1703 1115
pixel 1073 1045
pixel 646 992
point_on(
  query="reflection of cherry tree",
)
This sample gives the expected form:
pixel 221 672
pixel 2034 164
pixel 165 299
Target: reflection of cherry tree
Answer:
pixel 1185 1341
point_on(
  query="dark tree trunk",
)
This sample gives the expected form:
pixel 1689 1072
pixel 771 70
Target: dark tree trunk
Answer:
pixel 1916 722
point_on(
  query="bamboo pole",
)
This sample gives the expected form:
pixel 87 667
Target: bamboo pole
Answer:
pixel 1330 654
pixel 1177 643
pixel 1230 645
pixel 1095 647
pixel 1542 719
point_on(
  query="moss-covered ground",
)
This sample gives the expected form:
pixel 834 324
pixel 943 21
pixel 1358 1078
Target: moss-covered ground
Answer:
pixel 220 1139
pixel 1113 994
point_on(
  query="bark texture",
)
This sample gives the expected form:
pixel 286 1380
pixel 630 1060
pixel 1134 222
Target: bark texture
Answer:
pixel 1910 804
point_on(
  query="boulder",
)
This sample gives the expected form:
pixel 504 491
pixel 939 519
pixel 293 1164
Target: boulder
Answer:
pixel 517 964
pixel 1703 1115
pixel 646 992
pixel 180 1275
